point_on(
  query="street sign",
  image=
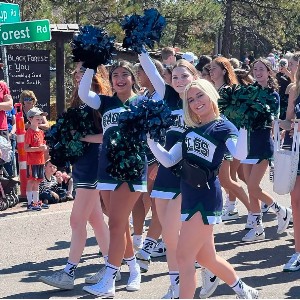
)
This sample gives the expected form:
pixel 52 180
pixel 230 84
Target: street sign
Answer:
pixel 25 32
pixel 9 13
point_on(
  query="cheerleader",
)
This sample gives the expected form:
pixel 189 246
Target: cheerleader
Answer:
pixel 204 144
pixel 166 190
pixel 294 102
pixel 119 197
pixel 223 76
pixel 142 206
pixel 260 153
pixel 87 206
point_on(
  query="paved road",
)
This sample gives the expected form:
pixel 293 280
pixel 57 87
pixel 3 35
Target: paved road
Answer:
pixel 36 243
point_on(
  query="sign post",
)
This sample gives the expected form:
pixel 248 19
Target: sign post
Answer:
pixel 9 13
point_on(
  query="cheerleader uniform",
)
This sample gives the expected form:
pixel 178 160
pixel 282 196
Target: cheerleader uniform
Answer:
pixel 261 145
pixel 166 185
pixel 202 146
pixel 110 108
pixel 84 171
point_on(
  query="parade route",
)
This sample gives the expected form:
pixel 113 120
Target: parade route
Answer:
pixel 36 243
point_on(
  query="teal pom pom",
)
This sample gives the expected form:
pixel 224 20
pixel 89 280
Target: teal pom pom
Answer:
pixel 143 30
pixel 93 46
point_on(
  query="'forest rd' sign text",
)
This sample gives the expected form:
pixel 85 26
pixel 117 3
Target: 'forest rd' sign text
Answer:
pixel 25 32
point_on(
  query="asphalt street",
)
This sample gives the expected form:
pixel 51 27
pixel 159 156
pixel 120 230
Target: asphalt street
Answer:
pixel 37 243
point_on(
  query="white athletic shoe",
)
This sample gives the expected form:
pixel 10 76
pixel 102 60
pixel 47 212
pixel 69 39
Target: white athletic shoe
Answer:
pixel 230 213
pixel 59 280
pixel 293 264
pixel 105 288
pixel 173 292
pixel 209 283
pixel 134 281
pixel 99 275
pixel 252 235
pixel 283 218
pixel 159 250
pixel 197 265
pixel 291 233
pixel 248 293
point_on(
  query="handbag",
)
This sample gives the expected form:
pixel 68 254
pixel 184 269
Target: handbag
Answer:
pixel 194 175
pixel 285 162
pixel 6 149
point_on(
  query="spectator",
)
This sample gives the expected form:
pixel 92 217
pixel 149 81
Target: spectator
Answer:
pixel 65 182
pixel 11 167
pixel 203 61
pixel 205 74
pixel 190 57
pixel 49 188
pixel 6 104
pixel 35 146
pixel 234 62
pixel 28 101
pixel 168 56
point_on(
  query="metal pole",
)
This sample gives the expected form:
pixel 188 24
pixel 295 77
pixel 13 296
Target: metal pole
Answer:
pixel 5 67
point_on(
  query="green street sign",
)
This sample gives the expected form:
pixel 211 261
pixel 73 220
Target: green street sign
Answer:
pixel 9 13
pixel 25 32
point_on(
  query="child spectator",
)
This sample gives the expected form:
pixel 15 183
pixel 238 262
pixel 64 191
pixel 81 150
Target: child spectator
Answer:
pixel 50 190
pixel 35 147
pixel 65 182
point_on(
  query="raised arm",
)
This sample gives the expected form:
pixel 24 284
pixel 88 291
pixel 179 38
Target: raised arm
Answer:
pixel 238 147
pixel 84 92
pixel 152 73
pixel 167 159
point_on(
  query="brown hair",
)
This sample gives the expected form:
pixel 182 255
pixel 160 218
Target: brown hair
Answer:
pixel 185 64
pixel 272 81
pixel 127 66
pixel 28 94
pixel 167 52
pixel 229 77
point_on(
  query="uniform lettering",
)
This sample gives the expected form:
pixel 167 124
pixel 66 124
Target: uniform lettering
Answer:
pixel 110 118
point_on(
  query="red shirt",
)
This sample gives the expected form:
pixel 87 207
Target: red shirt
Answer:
pixel 4 90
pixel 35 139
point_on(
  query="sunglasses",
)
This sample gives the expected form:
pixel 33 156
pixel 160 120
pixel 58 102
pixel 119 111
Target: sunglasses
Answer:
pixel 27 99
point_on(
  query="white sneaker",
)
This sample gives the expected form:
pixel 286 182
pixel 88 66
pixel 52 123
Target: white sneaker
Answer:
pixel 173 292
pixel 248 293
pixel 59 280
pixel 105 288
pixel 250 222
pixel 99 275
pixel 252 235
pixel 230 213
pixel 264 208
pixel 291 233
pixel 293 264
pixel 142 262
pixel 197 265
pixel 134 281
pixel 209 283
pixel 159 250
pixel 283 218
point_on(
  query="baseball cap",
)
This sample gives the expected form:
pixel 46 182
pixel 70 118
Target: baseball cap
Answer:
pixel 189 56
pixel 35 111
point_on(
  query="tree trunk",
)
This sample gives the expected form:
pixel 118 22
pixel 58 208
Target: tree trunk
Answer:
pixel 227 31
